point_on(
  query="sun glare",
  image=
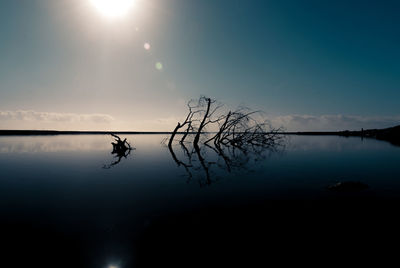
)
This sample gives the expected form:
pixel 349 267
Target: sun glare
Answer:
pixel 113 8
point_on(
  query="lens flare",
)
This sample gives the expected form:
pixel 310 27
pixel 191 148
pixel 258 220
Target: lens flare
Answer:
pixel 159 66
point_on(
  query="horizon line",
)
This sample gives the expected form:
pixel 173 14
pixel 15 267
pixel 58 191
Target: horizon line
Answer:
pixel 13 132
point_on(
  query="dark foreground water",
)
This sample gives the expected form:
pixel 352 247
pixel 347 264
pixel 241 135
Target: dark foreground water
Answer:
pixel 65 201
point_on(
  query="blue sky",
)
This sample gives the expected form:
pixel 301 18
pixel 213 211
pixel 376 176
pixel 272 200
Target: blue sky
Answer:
pixel 292 59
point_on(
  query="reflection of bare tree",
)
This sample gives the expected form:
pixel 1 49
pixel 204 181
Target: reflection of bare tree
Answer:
pixel 188 164
pixel 121 149
pixel 224 138
pixel 205 163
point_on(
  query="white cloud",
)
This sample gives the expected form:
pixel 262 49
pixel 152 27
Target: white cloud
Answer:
pixel 54 117
pixel 28 119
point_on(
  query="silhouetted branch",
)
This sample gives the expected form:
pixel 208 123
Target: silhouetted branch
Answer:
pixel 193 110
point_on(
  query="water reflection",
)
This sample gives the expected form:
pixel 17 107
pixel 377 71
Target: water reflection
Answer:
pixel 205 163
pixel 52 144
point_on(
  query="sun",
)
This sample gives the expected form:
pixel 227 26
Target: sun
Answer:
pixel 113 8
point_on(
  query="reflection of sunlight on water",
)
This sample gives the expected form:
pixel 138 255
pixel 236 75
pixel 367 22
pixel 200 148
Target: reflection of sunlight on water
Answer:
pixel 35 144
pixel 75 143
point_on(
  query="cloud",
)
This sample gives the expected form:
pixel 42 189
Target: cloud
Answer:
pixel 28 119
pixel 30 115
pixel 333 122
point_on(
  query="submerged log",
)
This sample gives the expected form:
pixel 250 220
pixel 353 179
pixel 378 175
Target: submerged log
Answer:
pixel 120 146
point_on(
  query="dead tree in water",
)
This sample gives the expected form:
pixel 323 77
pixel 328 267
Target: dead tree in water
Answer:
pixel 208 116
pixel 193 110
pixel 234 135
pixel 235 128
pixel 239 128
pixel 198 117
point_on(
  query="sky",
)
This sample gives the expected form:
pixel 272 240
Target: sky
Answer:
pixel 309 65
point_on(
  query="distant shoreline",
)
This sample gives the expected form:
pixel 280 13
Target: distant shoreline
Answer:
pixel 56 132
pixel 391 135
pixel 365 133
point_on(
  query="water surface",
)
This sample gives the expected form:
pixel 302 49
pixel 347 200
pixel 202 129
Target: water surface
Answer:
pixel 57 197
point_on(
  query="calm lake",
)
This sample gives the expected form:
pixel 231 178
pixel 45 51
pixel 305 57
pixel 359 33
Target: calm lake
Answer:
pixel 67 199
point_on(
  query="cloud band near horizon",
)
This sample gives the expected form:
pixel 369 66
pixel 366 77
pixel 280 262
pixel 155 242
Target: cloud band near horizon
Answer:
pixel 29 119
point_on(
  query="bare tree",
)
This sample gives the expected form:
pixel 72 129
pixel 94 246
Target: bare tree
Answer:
pixel 235 136
pixel 194 109
pixel 233 128
pixel 211 108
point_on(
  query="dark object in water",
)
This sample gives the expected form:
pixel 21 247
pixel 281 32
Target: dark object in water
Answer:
pixel 121 148
pixel 348 186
